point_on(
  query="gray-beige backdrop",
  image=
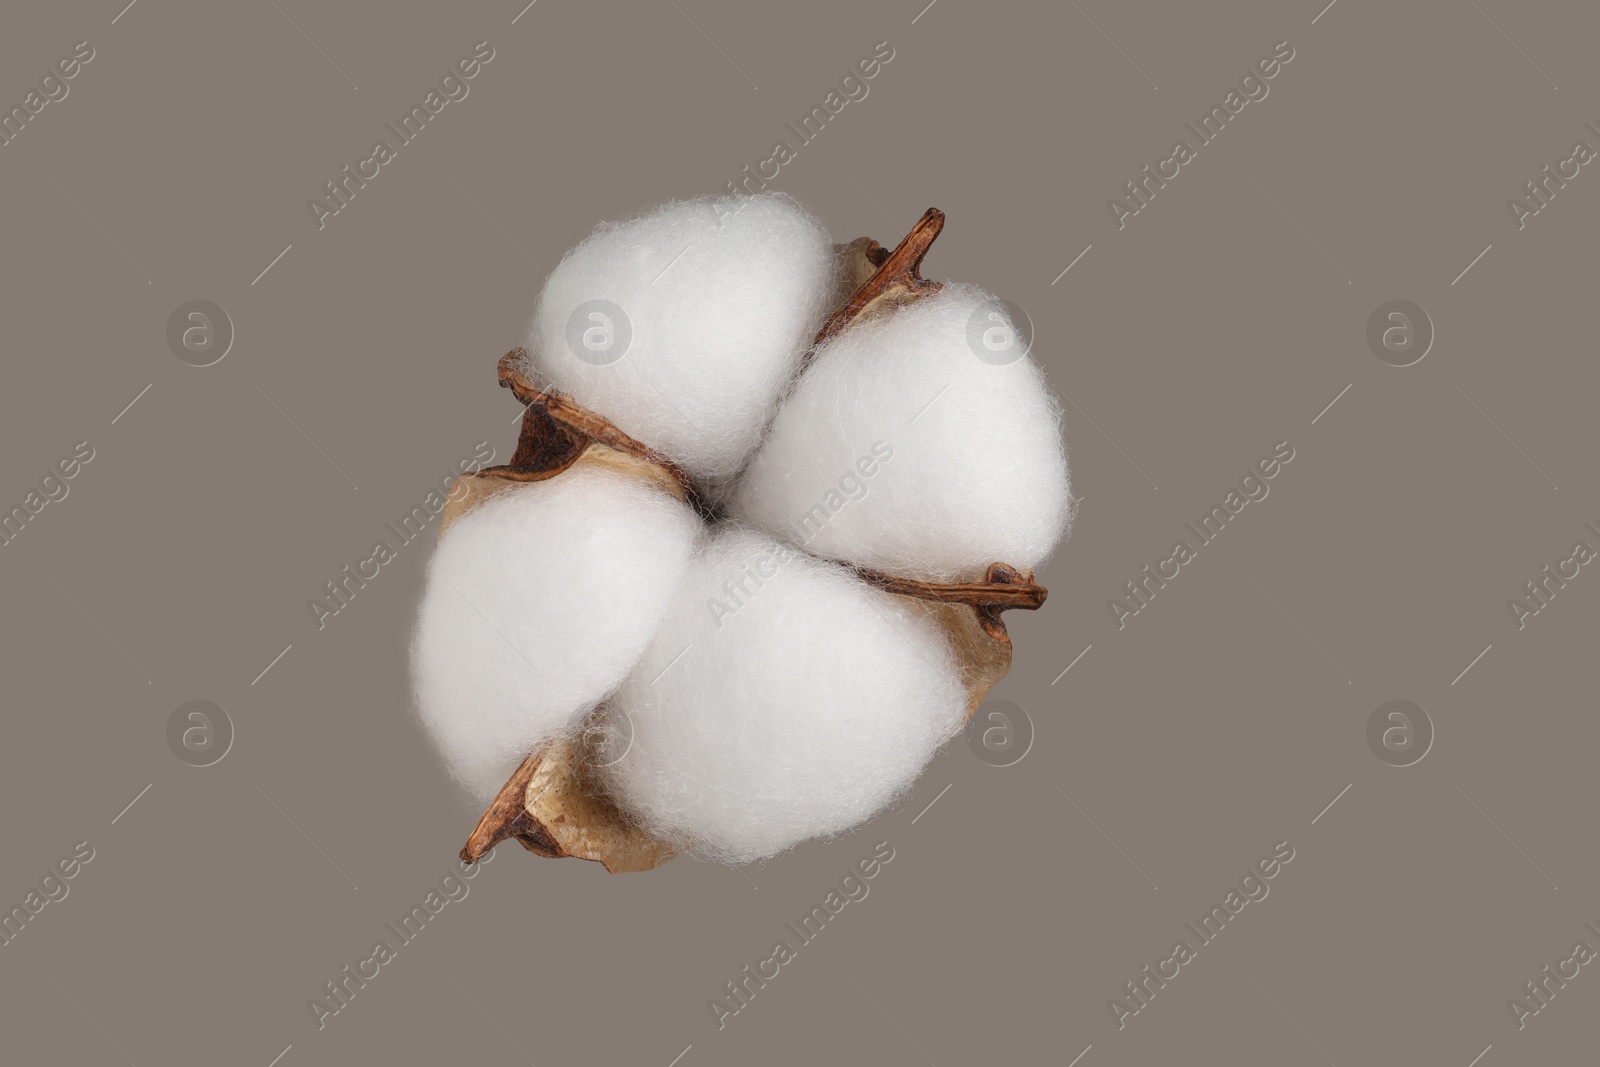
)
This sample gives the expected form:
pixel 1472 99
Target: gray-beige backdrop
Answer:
pixel 1368 268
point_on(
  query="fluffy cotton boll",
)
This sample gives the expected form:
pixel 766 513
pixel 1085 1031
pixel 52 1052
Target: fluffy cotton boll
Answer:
pixel 683 325
pixel 782 699
pixel 903 450
pixel 537 603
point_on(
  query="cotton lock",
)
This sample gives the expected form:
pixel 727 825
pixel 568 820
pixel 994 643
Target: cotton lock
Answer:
pixel 538 602
pixel 811 708
pixel 684 325
pixel 978 475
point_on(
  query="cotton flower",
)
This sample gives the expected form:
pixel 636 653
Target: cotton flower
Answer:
pixel 743 577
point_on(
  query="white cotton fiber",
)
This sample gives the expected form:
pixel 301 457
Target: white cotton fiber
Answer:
pixel 538 602
pixel 782 699
pixel 704 310
pixel 975 470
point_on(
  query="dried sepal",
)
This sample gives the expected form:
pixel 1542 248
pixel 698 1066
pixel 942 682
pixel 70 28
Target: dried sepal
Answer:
pixel 555 809
pixel 554 438
pixel 970 613
pixel 1003 588
pixel 858 261
pixel 557 430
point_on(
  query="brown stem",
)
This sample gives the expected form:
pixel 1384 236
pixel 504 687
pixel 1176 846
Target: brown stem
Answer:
pixel 898 276
pixel 1002 589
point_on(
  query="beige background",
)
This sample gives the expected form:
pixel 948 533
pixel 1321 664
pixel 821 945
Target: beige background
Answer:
pixel 1208 329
